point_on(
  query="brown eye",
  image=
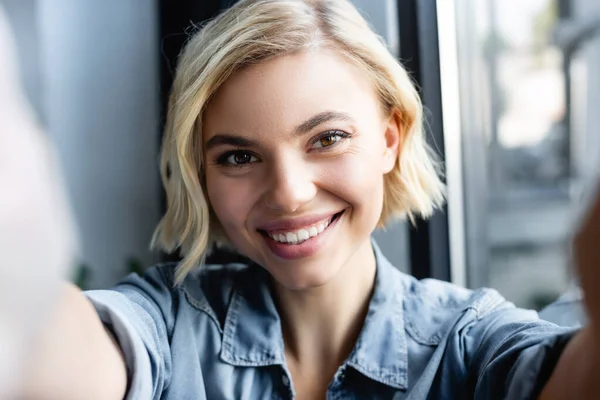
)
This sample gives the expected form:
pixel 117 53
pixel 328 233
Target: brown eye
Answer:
pixel 328 140
pixel 237 158
pixel 241 158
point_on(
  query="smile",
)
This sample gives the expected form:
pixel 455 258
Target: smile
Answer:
pixel 300 235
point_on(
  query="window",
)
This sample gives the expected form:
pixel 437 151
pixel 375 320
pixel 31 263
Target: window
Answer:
pixel 528 142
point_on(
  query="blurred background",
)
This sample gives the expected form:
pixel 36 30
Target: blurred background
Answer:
pixel 511 88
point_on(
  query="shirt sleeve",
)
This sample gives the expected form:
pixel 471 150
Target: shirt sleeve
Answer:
pixel 568 310
pixel 138 312
pixel 511 353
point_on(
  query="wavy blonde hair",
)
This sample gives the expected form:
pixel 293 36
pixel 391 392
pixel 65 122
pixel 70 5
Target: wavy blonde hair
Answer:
pixel 248 33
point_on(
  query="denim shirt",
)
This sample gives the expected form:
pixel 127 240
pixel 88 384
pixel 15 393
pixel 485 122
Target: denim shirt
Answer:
pixel 218 336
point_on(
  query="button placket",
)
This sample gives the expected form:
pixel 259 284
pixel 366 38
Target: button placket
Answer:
pixel 340 374
pixel 286 384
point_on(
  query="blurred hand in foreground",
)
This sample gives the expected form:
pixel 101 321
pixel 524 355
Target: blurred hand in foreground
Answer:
pixel 587 259
pixel 37 240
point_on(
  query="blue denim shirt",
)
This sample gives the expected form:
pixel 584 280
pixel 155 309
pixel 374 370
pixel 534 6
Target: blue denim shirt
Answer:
pixel 218 336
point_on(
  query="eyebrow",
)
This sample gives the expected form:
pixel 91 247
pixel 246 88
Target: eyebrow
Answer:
pixel 321 118
pixel 223 139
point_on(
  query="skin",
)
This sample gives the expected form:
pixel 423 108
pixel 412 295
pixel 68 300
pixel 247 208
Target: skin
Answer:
pixel 577 374
pixel 284 175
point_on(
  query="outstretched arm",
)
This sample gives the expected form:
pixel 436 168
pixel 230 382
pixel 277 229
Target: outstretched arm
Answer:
pixel 74 357
pixel 577 374
pixel 52 343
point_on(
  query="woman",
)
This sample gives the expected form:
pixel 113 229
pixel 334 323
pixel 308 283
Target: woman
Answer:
pixel 292 134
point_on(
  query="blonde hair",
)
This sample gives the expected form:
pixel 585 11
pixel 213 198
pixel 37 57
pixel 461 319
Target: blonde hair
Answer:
pixel 248 33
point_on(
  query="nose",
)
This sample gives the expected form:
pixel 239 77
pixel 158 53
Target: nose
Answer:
pixel 291 185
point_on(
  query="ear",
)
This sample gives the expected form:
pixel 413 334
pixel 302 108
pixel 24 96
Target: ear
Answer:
pixel 393 134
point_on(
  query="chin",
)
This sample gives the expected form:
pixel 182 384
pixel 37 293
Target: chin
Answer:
pixel 303 280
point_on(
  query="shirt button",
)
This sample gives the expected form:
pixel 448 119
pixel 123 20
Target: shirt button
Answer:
pixel 285 380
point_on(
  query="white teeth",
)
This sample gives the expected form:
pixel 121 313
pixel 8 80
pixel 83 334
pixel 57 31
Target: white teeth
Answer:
pixel 291 238
pixel 300 235
pixel 303 235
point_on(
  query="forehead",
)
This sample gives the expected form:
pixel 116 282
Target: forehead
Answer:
pixel 280 93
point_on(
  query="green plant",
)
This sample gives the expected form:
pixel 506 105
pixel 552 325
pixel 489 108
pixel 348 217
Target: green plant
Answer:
pixel 83 272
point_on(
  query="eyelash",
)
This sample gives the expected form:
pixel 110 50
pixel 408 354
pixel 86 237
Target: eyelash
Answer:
pixel 340 134
pixel 223 159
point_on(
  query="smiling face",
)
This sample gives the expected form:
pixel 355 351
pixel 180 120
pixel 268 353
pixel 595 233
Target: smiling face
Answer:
pixel 295 149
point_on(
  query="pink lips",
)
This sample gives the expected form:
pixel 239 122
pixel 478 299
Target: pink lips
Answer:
pixel 307 248
pixel 296 223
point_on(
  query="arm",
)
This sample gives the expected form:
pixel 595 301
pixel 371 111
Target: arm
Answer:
pixel 577 373
pixel 52 344
pixel 74 357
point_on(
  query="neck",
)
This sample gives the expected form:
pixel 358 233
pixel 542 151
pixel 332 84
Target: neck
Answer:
pixel 321 325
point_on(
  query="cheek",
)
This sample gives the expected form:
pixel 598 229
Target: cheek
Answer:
pixel 357 178
pixel 230 199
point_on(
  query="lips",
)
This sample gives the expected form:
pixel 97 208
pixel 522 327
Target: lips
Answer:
pixel 294 245
pixel 295 223
pixel 300 235
pixel 295 232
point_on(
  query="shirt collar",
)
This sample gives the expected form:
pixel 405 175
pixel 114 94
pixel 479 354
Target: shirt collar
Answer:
pixel 252 333
pixel 381 351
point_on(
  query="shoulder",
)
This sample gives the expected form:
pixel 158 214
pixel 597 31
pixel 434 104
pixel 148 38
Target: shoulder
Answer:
pixel 207 289
pixel 205 281
pixel 433 294
pixel 432 307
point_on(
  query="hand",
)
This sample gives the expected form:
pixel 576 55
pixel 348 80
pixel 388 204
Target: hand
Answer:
pixel 587 260
pixel 577 372
pixel 37 241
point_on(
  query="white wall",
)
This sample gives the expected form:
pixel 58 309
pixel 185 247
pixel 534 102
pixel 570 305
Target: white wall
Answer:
pixel 22 16
pixel 100 78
